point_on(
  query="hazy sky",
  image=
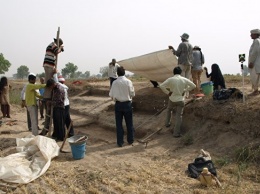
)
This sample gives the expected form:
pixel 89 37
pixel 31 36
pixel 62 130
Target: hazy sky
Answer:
pixel 95 31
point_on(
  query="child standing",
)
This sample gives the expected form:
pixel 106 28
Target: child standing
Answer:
pixel 4 97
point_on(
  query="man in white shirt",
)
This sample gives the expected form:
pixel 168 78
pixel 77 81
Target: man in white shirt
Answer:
pixel 254 60
pixel 66 104
pixel 175 87
pixel 112 71
pixel 122 92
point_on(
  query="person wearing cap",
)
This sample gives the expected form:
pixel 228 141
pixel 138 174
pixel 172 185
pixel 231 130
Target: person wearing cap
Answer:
pixel 196 70
pixel 31 101
pixel 184 54
pixel 58 110
pixel 23 104
pixel 254 60
pixel 61 81
pixel 112 71
pixel 175 87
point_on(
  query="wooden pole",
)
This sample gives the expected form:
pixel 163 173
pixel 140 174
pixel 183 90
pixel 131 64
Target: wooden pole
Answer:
pixel 58 45
pixel 56 63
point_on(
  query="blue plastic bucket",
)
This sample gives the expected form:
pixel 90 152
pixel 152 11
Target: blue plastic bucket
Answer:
pixel 207 88
pixel 78 148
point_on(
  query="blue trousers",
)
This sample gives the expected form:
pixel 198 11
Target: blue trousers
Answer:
pixel 124 110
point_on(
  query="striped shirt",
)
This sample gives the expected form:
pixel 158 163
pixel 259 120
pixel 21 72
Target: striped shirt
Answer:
pixel 50 55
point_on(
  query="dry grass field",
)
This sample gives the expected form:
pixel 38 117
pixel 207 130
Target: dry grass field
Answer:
pixel 228 130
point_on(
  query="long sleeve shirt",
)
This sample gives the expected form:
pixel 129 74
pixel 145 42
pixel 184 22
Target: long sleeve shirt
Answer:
pixel 58 96
pixel 177 85
pixel 66 97
pixel 112 70
pixel 254 54
pixel 184 53
pixel 122 89
pixel 31 93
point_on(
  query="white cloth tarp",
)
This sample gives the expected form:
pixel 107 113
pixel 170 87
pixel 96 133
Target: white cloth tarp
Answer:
pixel 32 160
pixel 155 66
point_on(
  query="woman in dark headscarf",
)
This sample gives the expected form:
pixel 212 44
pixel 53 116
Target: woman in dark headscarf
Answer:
pixel 216 77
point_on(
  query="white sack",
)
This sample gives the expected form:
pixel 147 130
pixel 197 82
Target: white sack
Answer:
pixel 32 160
pixel 157 66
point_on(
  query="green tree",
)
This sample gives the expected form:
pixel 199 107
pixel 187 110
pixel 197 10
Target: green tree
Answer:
pixel 104 71
pixel 40 74
pixel 69 70
pixel 4 64
pixel 22 71
pixel 78 74
pixel 86 74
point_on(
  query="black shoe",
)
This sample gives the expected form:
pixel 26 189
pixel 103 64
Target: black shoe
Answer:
pixel 176 136
pixel 120 145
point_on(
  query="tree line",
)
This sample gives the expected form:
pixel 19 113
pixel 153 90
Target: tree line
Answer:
pixel 70 71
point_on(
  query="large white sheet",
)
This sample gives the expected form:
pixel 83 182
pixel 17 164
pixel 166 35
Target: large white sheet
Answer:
pixel 32 160
pixel 155 66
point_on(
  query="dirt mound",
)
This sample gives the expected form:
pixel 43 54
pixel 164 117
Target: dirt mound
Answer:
pixel 220 127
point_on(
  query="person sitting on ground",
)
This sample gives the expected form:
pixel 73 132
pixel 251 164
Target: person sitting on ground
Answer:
pixel 175 87
pixel 216 77
pixel 4 97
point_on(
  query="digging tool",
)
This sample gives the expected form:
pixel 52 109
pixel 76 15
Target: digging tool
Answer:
pixel 66 136
pixel 217 181
pixel 50 116
pixel 146 139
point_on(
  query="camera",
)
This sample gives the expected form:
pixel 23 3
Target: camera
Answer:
pixel 242 57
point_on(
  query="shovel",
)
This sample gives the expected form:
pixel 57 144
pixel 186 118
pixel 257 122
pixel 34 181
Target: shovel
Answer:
pixel 65 138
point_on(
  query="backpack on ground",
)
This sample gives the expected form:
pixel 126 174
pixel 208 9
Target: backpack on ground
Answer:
pixel 224 94
pixel 195 168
